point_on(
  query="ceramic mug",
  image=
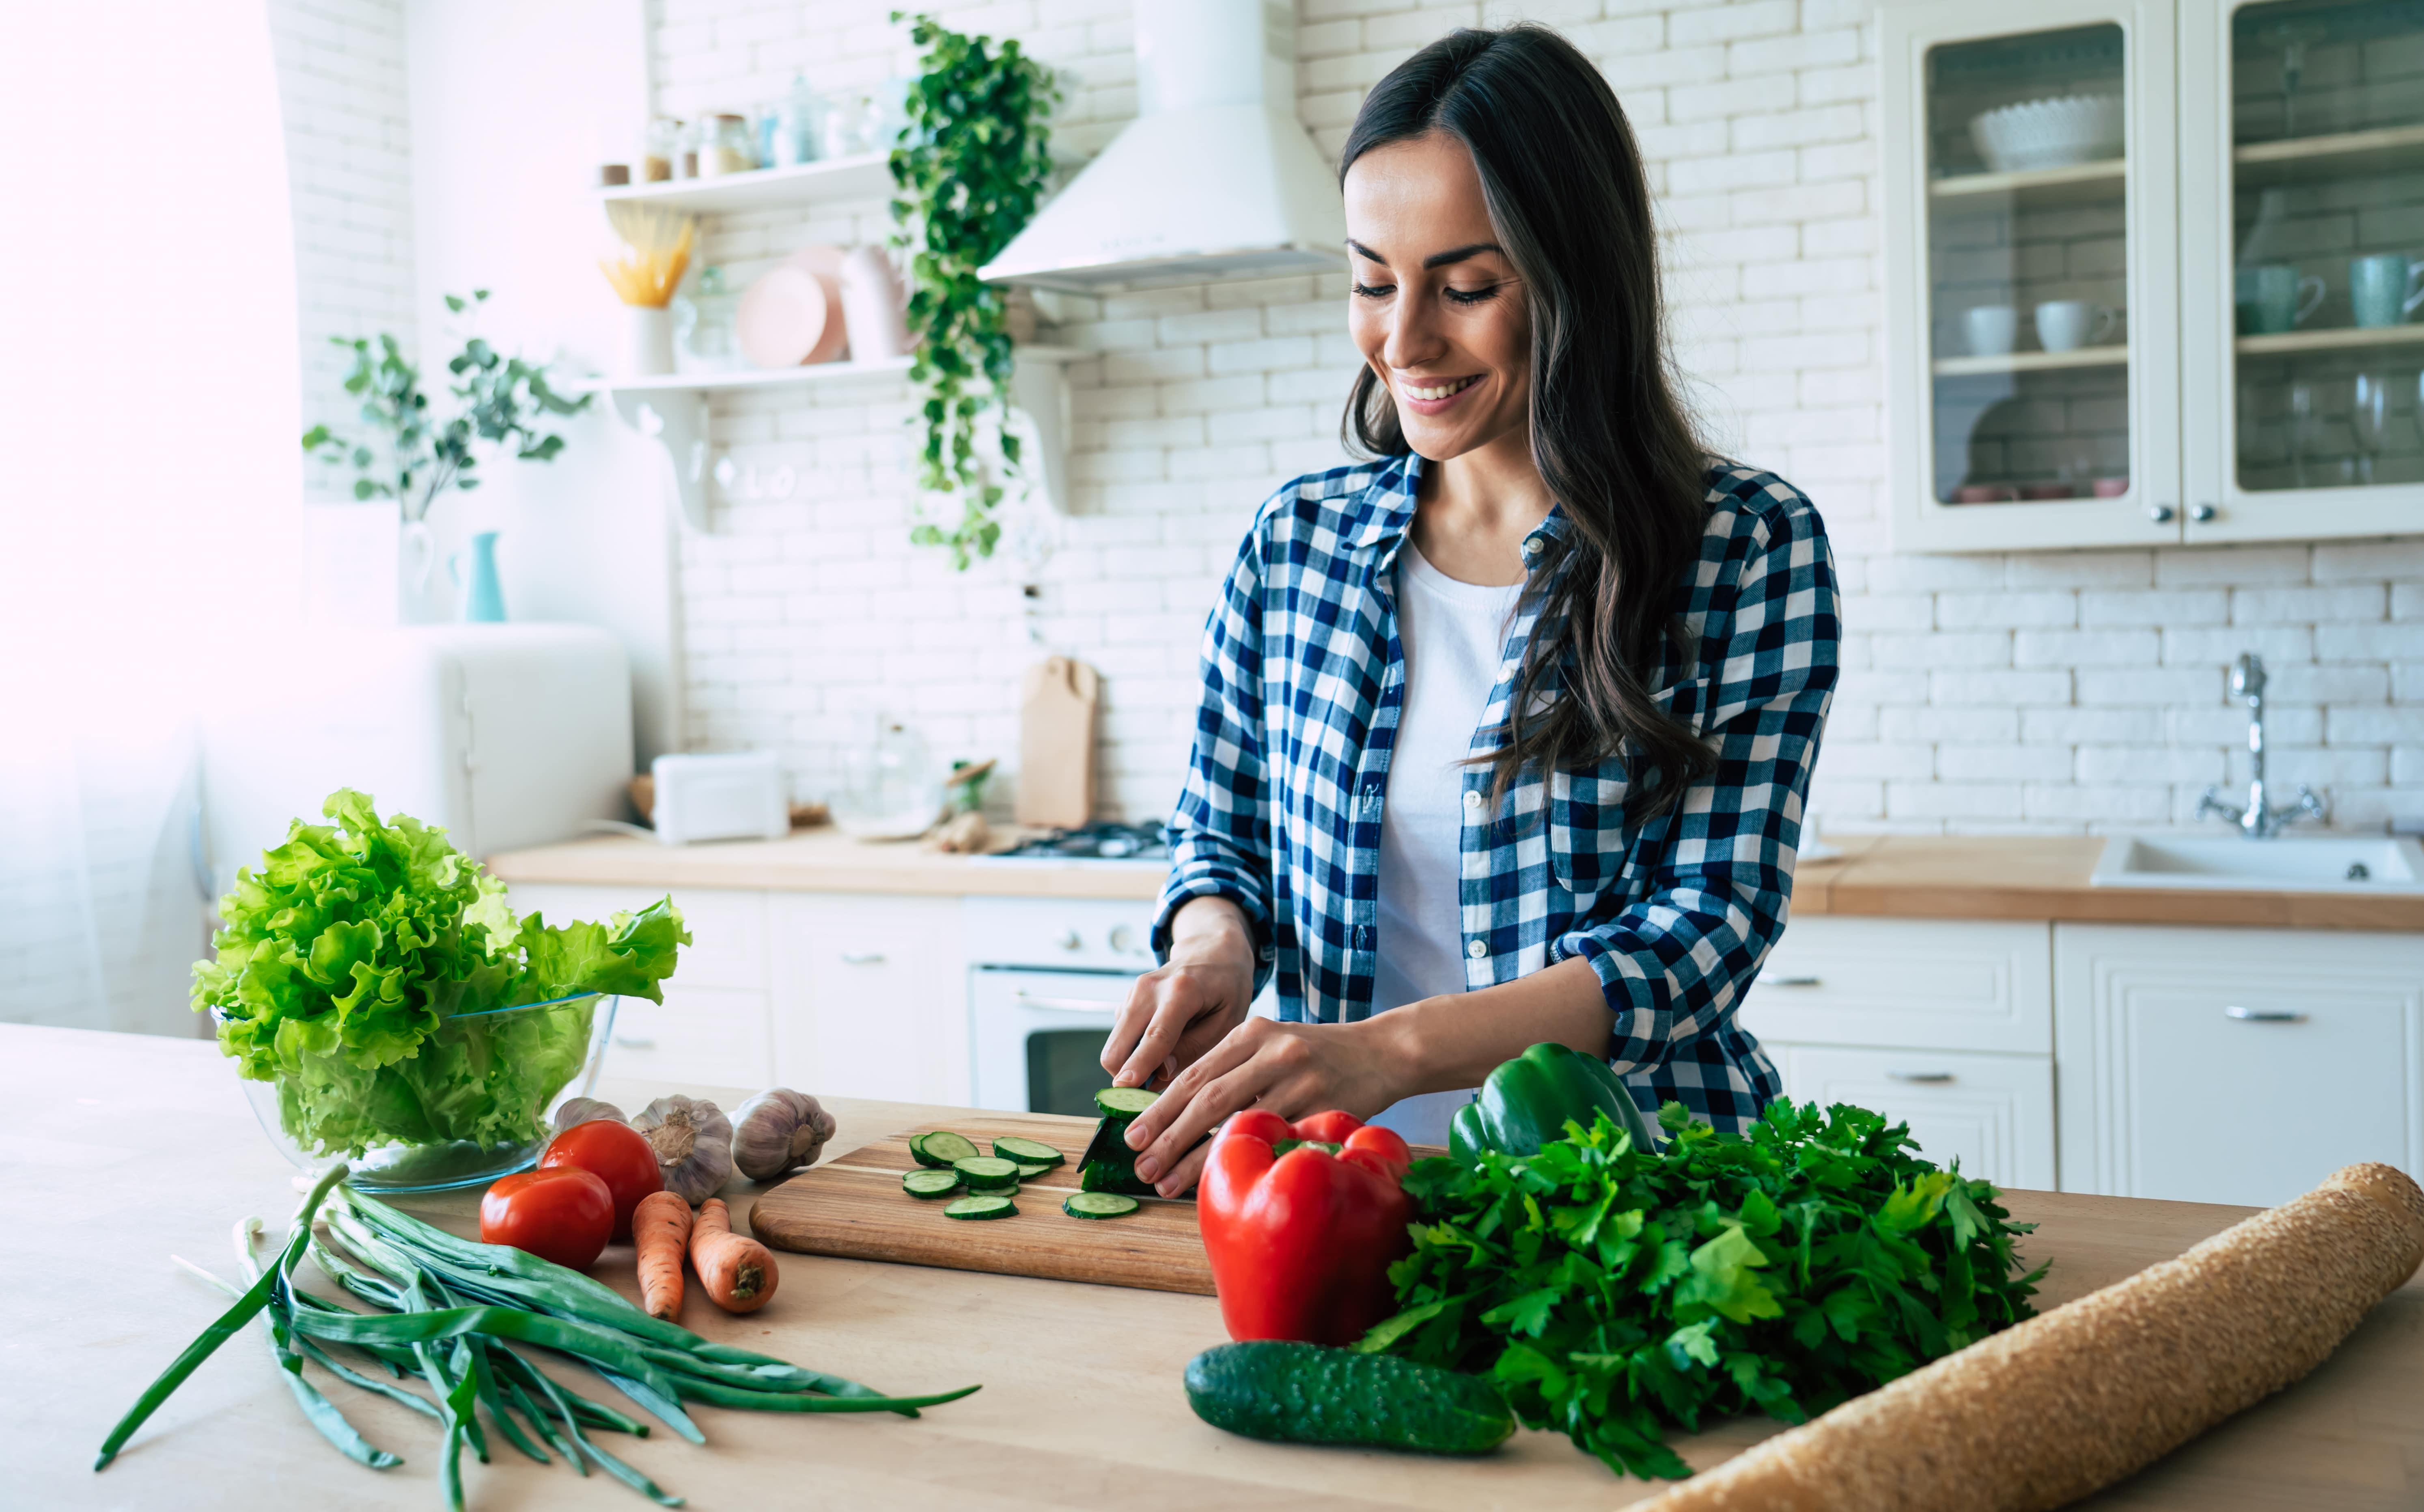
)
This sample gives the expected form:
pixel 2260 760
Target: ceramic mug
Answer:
pixel 2067 324
pixel 2278 298
pixel 1993 328
pixel 2386 289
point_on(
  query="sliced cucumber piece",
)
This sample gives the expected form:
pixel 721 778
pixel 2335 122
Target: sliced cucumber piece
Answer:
pixel 1099 1206
pixel 1027 1152
pixel 991 1206
pixel 1030 1169
pixel 941 1148
pixel 987 1173
pixel 1124 1102
pixel 930 1183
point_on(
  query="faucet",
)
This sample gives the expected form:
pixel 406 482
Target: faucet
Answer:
pixel 2258 820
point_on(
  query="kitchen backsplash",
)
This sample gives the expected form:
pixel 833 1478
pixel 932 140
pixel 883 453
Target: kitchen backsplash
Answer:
pixel 2055 692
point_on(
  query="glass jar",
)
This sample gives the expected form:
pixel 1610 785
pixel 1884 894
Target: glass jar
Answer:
pixel 703 326
pixel 791 137
pixel 725 147
pixel 841 129
pixel 660 149
pixel 890 789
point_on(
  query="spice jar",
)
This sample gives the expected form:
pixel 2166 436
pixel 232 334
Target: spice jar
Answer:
pixel 660 150
pixel 703 326
pixel 723 146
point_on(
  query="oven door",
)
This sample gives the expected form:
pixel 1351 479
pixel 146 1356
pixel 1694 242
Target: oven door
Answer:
pixel 1037 1037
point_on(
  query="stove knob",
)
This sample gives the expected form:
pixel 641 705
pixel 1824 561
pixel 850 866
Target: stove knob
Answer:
pixel 1124 940
pixel 1073 941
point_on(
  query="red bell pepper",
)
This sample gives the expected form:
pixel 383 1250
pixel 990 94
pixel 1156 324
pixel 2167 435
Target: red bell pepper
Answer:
pixel 1302 1243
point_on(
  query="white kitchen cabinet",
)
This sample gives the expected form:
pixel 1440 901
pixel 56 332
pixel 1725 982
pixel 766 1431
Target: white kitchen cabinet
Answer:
pixel 1994 1113
pixel 2262 149
pixel 871 995
pixel 716 1024
pixel 2235 1065
pixel 1951 984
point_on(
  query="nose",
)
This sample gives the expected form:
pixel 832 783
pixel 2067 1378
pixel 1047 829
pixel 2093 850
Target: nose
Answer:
pixel 1413 337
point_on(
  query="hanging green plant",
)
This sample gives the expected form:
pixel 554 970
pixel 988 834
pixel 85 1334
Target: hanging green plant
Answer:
pixel 970 166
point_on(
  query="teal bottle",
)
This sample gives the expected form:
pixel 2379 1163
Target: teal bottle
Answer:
pixel 484 596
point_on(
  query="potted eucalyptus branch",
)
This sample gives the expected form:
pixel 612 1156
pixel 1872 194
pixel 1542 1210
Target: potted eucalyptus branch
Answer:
pixel 970 166
pixel 505 401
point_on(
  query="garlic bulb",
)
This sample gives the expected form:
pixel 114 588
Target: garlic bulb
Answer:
pixel 584 1110
pixel 694 1144
pixel 778 1131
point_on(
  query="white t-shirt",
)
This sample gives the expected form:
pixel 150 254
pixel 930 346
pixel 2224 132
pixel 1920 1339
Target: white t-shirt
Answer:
pixel 1454 635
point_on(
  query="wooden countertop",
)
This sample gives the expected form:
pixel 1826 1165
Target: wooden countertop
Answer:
pixel 2016 877
pixel 125 1149
pixel 1878 876
pixel 821 860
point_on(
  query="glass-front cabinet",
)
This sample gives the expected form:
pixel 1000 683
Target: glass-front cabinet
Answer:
pixel 2154 270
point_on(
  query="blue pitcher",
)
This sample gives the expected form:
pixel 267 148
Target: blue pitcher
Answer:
pixel 484 596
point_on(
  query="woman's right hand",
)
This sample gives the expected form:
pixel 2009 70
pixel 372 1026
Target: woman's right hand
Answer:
pixel 1177 1011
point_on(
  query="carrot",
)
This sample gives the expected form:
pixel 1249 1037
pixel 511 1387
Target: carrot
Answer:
pixel 660 1231
pixel 737 1271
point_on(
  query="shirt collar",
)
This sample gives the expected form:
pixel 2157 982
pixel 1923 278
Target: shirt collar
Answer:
pixel 1388 508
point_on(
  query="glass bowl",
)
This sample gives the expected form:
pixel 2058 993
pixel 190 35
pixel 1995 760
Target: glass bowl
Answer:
pixel 508 1067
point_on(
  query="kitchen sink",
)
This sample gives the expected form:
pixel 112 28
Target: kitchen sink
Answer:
pixel 2298 864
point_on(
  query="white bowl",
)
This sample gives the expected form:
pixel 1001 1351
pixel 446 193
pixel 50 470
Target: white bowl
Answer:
pixel 2049 133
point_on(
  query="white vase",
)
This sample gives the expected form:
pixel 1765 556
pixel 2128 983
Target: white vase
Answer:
pixel 420 599
pixel 872 307
pixel 650 334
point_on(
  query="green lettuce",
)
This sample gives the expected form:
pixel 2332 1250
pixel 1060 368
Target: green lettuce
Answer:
pixel 357 962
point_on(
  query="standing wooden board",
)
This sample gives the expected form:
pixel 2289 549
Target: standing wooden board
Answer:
pixel 1055 744
pixel 852 1206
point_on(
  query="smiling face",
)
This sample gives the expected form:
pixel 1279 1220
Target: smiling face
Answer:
pixel 1438 310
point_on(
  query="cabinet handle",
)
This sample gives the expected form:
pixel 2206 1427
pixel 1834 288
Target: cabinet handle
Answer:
pixel 1918 1075
pixel 2203 514
pixel 635 1042
pixel 862 958
pixel 1066 1005
pixel 1792 981
pixel 2262 1015
pixel 2161 514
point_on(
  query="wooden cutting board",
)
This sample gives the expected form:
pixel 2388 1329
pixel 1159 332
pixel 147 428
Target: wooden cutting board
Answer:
pixel 1055 744
pixel 852 1206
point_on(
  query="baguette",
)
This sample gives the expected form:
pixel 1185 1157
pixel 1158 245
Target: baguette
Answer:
pixel 2055 1407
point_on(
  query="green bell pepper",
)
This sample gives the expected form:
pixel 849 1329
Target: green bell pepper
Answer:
pixel 1526 1102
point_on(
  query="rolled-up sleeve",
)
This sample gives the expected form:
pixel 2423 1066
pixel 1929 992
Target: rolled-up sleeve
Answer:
pixel 1672 964
pixel 1221 832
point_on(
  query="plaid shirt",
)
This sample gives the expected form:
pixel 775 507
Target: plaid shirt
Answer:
pixel 1303 680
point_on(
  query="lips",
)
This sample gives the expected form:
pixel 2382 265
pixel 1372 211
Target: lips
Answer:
pixel 1448 389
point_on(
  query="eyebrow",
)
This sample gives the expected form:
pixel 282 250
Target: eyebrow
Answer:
pixel 1437 260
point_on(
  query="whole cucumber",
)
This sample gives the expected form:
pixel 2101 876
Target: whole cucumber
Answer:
pixel 1310 1393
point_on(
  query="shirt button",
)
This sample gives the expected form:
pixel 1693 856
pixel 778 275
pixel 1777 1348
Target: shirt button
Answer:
pixel 1475 949
pixel 1472 800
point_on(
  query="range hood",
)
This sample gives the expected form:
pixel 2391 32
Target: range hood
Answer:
pixel 1214 177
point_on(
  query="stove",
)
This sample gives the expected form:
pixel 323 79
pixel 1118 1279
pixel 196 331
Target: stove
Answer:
pixel 1093 842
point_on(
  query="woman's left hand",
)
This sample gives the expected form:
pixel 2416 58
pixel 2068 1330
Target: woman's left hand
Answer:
pixel 1289 1069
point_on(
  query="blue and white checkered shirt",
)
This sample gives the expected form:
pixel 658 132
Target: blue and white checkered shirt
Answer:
pixel 1303 680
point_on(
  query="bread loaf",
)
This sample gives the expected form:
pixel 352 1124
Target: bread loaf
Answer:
pixel 2049 1411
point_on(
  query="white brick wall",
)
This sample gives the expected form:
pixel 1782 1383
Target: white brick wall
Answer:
pixel 2053 692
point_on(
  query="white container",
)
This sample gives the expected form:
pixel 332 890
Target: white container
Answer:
pixel 649 338
pixel 2049 133
pixel 740 795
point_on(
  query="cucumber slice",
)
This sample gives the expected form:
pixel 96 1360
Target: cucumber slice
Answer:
pixel 1099 1206
pixel 942 1147
pixel 930 1183
pixel 986 1173
pixel 982 1207
pixel 1124 1102
pixel 1030 1169
pixel 1027 1152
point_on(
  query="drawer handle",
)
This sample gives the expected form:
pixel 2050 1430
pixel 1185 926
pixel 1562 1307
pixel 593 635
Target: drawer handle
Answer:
pixel 1793 981
pixel 862 958
pixel 1066 1005
pixel 1930 1077
pixel 635 1042
pixel 2262 1015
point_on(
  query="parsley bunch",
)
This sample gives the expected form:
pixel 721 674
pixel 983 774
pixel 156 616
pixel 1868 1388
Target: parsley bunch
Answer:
pixel 1615 1293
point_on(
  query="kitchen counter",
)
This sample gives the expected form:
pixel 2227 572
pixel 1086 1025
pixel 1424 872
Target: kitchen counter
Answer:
pixel 1878 876
pixel 125 1149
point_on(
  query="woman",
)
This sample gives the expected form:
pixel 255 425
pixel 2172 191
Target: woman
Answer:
pixel 1504 735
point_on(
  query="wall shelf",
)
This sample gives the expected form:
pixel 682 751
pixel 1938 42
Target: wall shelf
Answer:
pixel 2084 357
pixel 2071 184
pixel 2346 338
pixel 864 176
pixel 672 410
pixel 2356 152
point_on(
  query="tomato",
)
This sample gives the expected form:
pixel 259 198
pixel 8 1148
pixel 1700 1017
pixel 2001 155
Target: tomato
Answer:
pixel 562 1215
pixel 615 1154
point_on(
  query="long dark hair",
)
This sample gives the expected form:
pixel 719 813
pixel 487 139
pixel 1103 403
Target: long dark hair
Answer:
pixel 1570 206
